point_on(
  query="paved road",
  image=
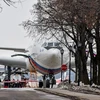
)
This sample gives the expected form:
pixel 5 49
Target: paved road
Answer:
pixel 27 94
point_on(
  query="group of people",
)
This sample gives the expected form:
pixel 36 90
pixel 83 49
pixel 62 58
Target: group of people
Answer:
pixel 49 83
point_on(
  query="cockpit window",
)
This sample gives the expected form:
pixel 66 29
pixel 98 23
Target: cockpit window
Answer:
pixel 56 44
pixel 50 44
pixel 44 44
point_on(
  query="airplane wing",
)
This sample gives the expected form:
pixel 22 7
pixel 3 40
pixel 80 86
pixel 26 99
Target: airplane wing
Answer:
pixel 13 61
pixel 15 49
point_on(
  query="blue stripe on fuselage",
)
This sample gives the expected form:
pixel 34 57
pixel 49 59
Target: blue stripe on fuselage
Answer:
pixel 45 70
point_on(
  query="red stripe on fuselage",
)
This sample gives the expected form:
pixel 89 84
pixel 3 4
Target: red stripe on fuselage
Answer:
pixel 42 70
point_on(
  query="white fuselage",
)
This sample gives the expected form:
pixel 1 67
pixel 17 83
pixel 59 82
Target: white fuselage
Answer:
pixel 45 58
pixel 47 61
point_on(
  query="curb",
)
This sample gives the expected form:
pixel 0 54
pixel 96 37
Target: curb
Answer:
pixel 61 94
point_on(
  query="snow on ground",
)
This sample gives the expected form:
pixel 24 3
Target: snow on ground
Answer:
pixel 82 88
pixel 18 89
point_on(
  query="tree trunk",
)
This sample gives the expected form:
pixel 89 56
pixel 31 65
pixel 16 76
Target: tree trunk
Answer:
pixel 76 65
pixel 95 71
pixel 98 47
pixel 82 53
pixel 98 62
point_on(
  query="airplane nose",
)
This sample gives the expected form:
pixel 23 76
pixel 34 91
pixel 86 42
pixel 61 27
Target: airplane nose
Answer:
pixel 54 53
pixel 50 58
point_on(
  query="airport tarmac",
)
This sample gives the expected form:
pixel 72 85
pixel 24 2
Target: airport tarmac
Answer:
pixel 27 94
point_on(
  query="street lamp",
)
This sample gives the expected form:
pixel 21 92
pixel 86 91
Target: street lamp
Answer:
pixel 70 48
pixel 91 40
pixel 62 52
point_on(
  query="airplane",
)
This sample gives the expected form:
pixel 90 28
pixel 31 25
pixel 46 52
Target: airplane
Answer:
pixel 45 58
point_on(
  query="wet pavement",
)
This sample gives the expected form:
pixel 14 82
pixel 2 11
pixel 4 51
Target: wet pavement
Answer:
pixel 44 94
pixel 71 94
pixel 27 94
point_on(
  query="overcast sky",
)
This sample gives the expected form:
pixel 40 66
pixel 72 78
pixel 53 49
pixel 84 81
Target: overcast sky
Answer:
pixel 11 34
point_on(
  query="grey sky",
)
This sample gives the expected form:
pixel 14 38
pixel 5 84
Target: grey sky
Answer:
pixel 11 34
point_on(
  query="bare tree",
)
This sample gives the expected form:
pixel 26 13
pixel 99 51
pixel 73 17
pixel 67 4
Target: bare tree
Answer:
pixel 69 18
pixel 10 3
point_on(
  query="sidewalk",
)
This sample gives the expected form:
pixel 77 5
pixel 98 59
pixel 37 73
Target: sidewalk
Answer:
pixel 70 94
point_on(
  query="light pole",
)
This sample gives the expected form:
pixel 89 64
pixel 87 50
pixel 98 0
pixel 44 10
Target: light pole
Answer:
pixel 62 52
pixel 70 47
